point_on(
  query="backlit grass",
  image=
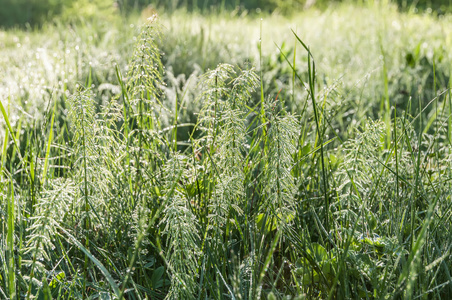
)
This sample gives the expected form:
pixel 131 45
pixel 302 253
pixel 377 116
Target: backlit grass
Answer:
pixel 228 157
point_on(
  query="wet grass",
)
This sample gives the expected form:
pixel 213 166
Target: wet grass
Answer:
pixel 249 161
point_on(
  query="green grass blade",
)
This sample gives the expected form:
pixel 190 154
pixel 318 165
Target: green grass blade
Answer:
pixel 49 142
pixel 8 124
pixel 101 267
pixel 10 245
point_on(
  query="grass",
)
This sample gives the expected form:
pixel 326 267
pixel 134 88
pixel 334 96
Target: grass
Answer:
pixel 230 167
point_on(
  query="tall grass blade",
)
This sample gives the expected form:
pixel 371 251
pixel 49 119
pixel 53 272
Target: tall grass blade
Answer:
pixel 10 244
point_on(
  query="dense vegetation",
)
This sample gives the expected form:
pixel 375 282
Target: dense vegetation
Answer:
pixel 222 156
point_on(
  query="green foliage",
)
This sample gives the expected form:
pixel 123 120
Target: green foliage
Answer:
pixel 440 6
pixel 126 176
pixel 284 6
pixel 86 10
pixel 20 12
pixel 37 12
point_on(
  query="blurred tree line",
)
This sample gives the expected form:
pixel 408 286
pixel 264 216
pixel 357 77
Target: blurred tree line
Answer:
pixel 35 12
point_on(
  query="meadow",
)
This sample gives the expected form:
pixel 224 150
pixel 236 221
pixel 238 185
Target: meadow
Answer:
pixel 230 155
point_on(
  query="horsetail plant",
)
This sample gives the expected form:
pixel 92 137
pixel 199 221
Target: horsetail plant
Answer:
pixel 181 230
pixel 129 189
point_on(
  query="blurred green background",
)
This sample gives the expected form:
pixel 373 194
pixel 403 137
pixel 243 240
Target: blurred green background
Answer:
pixel 23 13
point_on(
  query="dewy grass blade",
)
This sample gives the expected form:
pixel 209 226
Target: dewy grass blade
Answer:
pixel 10 244
pixel 8 124
pixel 311 82
pixel 49 142
pixel 4 154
